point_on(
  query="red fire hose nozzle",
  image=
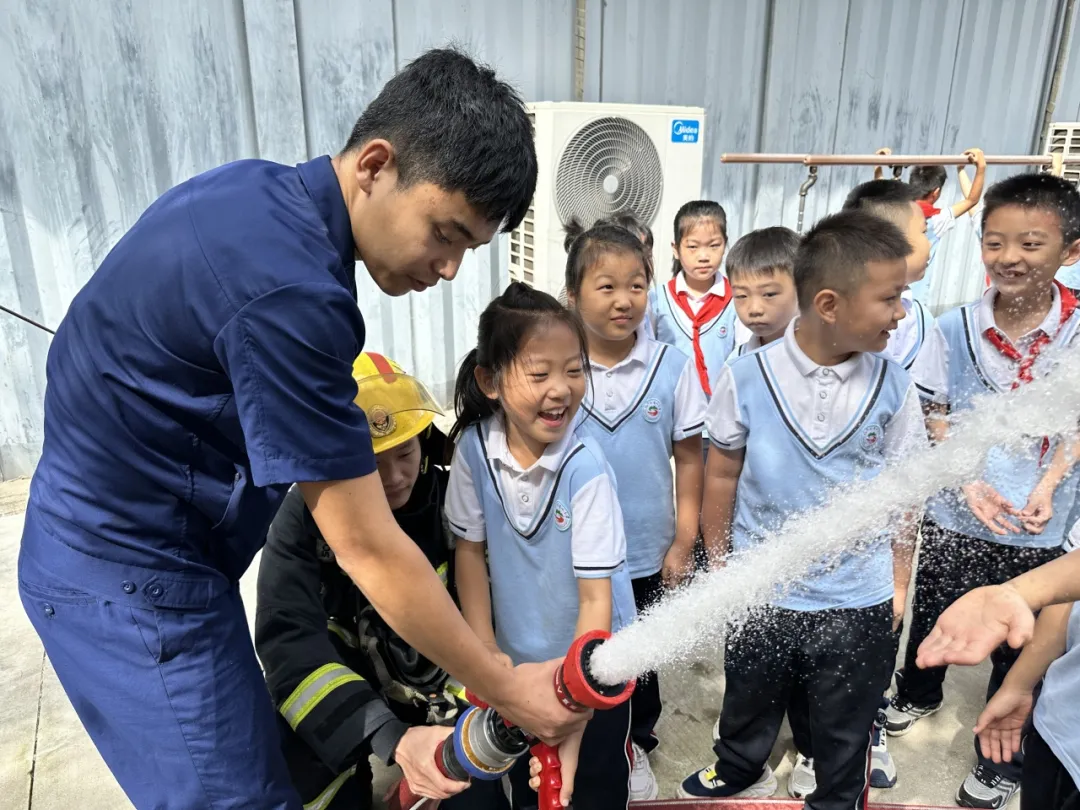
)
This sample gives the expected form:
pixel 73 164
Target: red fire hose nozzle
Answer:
pixel 484 746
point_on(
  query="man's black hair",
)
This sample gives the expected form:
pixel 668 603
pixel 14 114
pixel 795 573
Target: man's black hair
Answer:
pixel 1039 191
pixel 926 179
pixel 835 252
pixel 763 252
pixel 890 199
pixel 453 123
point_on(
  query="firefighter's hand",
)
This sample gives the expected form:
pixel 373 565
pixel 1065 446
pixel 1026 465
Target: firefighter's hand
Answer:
pixel 415 753
pixel 528 700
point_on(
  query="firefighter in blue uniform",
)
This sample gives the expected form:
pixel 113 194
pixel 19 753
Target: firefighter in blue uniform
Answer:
pixel 206 367
pixel 347 686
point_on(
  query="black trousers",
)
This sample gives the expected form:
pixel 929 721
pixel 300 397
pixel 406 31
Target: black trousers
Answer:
pixel 645 704
pixel 842 660
pixel 603 775
pixel 950 565
pixel 1046 784
pixel 313 779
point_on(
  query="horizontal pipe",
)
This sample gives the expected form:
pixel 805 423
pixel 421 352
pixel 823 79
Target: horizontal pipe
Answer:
pixel 924 160
pixel 886 160
pixel 761 157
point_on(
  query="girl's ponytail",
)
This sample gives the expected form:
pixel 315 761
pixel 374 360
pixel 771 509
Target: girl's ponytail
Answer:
pixel 470 403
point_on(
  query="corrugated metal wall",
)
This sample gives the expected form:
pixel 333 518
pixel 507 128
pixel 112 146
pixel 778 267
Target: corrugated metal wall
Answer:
pixel 106 105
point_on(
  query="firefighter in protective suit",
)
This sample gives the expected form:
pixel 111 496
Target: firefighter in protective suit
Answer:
pixel 345 685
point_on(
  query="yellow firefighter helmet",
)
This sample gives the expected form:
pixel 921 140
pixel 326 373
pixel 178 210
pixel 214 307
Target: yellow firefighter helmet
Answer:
pixel 397 405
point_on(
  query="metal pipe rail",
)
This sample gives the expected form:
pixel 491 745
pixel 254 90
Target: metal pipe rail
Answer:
pixel 892 160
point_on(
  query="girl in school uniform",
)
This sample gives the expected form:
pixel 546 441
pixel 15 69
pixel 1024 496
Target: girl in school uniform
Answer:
pixel 541 553
pixel 693 311
pixel 645 406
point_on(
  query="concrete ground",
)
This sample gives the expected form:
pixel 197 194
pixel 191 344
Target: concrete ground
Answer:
pixel 48 763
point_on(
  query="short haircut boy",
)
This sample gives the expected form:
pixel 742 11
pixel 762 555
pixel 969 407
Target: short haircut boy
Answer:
pixel 453 123
pixel 925 180
pixel 1040 191
pixel 888 199
pixel 834 253
pixel 764 252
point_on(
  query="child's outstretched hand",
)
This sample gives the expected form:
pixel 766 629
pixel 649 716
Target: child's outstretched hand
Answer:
pixel 991 509
pixel 1001 723
pixel 568 758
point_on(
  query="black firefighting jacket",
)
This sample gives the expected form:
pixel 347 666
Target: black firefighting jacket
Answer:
pixel 325 688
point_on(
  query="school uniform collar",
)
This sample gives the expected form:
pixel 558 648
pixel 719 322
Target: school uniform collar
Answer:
pixel 1049 326
pixel 499 451
pixel 640 353
pixel 321 182
pixel 718 288
pixel 808 367
pixel 907 299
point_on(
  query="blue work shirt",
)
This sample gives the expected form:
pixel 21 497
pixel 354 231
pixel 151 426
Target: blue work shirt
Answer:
pixel 204 368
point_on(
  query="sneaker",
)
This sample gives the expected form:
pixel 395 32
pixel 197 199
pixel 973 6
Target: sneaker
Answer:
pixel 901 715
pixel 705 784
pixel 643 787
pixel 986 788
pixel 882 767
pixel 802 781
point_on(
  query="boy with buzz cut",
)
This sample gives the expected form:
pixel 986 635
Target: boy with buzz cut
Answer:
pixel 1015 517
pixel 928 182
pixel 815 409
pixel 917 343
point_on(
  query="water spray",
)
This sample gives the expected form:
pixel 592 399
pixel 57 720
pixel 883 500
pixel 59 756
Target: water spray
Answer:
pixel 485 746
pixel 693 621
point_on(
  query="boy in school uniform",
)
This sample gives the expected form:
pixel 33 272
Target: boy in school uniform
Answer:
pixel 917 342
pixel 1015 517
pixel 928 182
pixel 788 422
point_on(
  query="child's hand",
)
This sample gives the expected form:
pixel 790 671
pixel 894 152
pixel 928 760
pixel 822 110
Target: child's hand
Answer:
pixel 678 565
pixel 899 603
pixel 991 509
pixel 1000 725
pixel 885 150
pixel 977 155
pixel 568 759
pixel 1039 510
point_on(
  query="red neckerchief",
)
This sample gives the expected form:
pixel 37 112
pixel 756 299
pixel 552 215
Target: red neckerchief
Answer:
pixel 1023 374
pixel 928 209
pixel 711 306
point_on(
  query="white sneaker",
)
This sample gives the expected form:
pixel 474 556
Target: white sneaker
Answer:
pixel 643 786
pixel 802 781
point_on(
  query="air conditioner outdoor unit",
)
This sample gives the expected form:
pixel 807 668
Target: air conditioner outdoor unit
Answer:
pixel 1064 139
pixel 596 160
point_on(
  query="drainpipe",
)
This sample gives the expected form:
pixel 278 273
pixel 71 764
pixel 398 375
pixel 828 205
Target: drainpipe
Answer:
pixel 579 50
pixel 1059 68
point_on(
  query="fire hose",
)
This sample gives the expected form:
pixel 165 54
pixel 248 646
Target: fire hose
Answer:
pixel 485 746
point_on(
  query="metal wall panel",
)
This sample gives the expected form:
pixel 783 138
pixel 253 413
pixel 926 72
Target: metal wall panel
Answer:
pixel 106 105
pixel 827 76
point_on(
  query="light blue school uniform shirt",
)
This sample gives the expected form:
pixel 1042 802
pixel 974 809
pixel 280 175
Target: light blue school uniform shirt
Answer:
pixel 671 325
pixel 977 367
pixel 545 527
pixel 635 411
pixel 1057 712
pixel 807 429
pixel 918 345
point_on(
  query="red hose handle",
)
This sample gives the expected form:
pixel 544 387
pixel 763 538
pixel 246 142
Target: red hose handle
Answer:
pixel 550 776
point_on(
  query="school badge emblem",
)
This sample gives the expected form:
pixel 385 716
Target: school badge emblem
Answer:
pixel 723 331
pixel 562 516
pixel 381 422
pixel 872 438
pixel 651 410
